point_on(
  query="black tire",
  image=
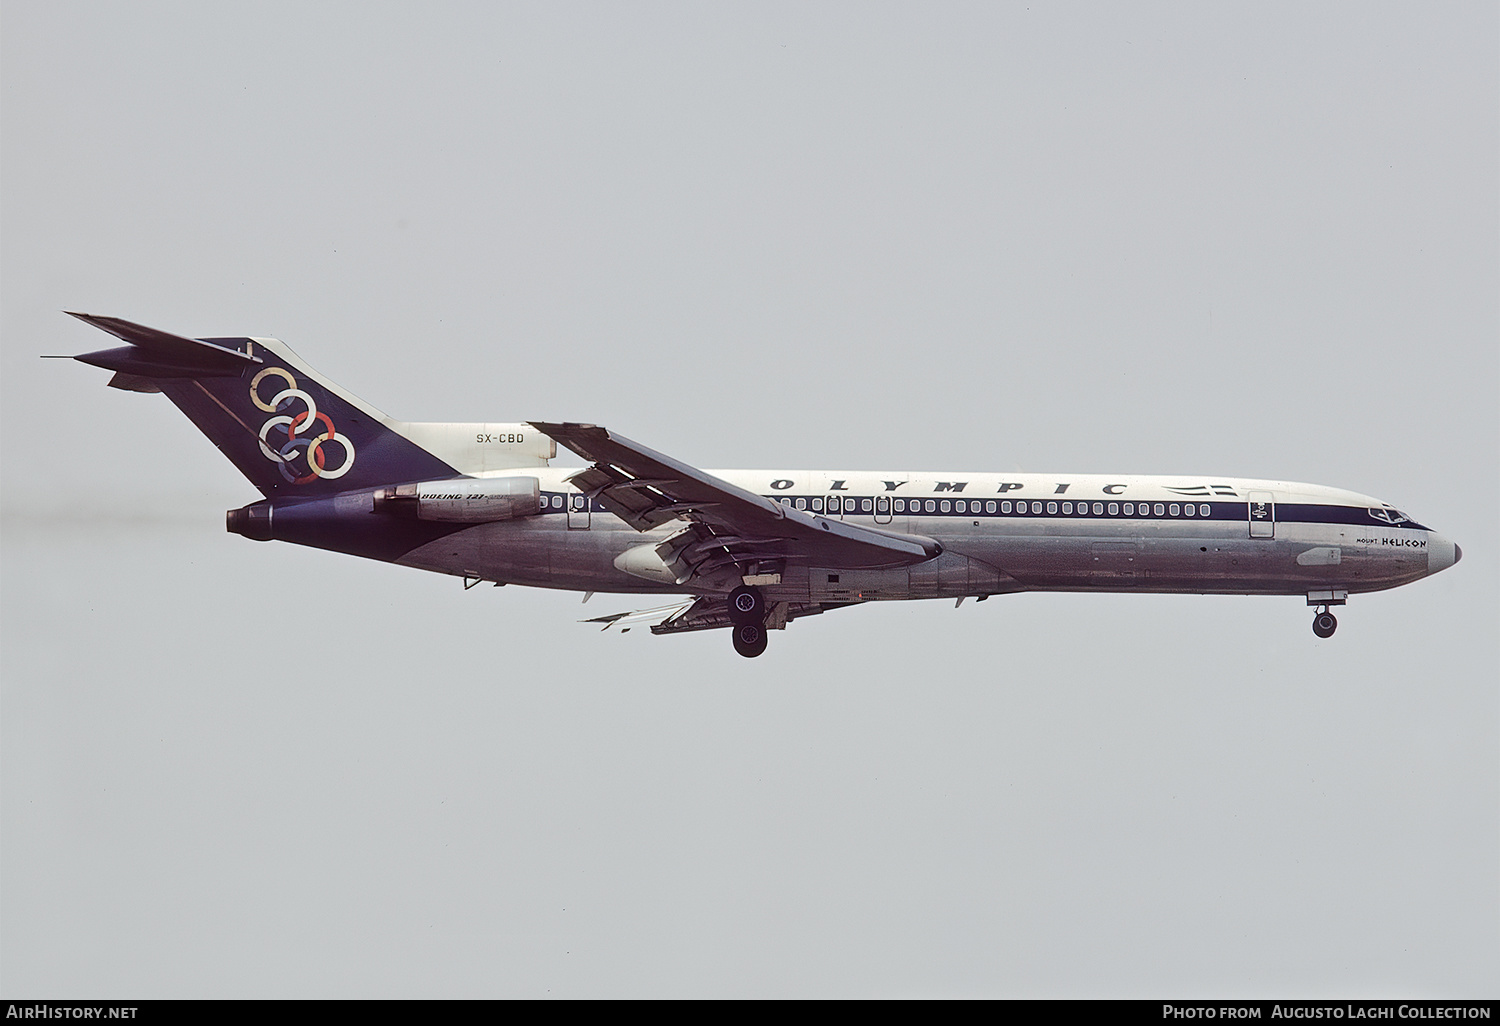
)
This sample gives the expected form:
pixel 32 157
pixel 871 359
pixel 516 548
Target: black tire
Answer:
pixel 749 639
pixel 1324 624
pixel 747 605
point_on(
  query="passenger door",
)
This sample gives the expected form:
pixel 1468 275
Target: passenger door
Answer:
pixel 1262 515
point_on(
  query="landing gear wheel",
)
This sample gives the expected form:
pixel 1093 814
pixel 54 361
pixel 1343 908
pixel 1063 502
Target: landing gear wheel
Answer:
pixel 1324 624
pixel 747 605
pixel 749 639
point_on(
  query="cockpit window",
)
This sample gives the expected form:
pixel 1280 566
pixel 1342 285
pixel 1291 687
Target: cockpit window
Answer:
pixel 1388 515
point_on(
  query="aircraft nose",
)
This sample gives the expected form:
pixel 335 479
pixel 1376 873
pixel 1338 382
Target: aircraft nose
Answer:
pixel 1441 553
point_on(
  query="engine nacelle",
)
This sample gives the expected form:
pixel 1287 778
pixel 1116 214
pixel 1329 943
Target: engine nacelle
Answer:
pixel 463 501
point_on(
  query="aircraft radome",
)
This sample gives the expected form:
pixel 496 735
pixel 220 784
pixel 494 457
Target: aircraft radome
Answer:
pixel 753 549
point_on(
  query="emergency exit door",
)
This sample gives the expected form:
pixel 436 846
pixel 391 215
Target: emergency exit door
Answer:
pixel 578 512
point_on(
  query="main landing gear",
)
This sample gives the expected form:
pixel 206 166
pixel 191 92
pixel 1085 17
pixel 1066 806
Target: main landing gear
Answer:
pixel 747 610
pixel 1325 623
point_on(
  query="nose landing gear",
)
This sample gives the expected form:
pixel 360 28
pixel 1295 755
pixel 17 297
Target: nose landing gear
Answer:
pixel 1324 622
pixel 747 608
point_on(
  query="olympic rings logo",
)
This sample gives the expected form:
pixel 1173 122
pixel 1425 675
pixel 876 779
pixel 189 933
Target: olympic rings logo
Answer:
pixel 300 458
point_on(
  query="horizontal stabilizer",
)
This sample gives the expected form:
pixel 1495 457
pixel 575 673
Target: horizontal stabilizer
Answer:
pixel 133 383
pixel 159 353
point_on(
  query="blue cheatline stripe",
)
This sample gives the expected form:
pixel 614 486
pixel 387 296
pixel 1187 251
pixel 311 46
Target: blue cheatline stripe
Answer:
pixel 1316 513
pixel 1057 509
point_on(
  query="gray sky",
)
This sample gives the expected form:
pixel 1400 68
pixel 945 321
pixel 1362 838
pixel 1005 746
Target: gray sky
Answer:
pixel 1251 240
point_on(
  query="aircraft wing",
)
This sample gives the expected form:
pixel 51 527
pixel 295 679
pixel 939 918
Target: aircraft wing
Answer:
pixel 707 613
pixel 647 489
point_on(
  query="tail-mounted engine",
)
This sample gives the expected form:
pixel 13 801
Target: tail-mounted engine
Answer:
pixel 462 501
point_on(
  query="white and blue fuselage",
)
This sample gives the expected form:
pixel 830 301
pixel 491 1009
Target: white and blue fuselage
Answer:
pixel 999 533
pixel 752 549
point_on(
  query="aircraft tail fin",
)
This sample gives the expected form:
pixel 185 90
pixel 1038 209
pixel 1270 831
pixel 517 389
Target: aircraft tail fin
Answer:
pixel 286 427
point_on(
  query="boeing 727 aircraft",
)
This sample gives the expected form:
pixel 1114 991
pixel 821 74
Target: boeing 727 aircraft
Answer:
pixel 753 549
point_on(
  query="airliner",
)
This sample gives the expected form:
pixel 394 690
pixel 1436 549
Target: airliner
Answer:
pixel 747 550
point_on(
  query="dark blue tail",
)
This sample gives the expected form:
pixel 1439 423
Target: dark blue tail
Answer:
pixel 286 428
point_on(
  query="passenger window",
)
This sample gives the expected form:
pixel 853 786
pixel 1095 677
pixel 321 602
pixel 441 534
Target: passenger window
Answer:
pixel 1189 509
pixel 1161 510
pixel 1036 507
pixel 1130 509
pixel 1067 507
pixel 1114 508
pixel 801 503
pixel 1005 506
pixel 900 505
pixel 989 507
pixel 960 505
pixel 557 502
pixel 1203 509
pixel 943 506
pixel 1098 508
pixel 817 503
pixel 1052 507
pixel 1175 509
pixel 931 506
pixel 866 505
pixel 786 501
